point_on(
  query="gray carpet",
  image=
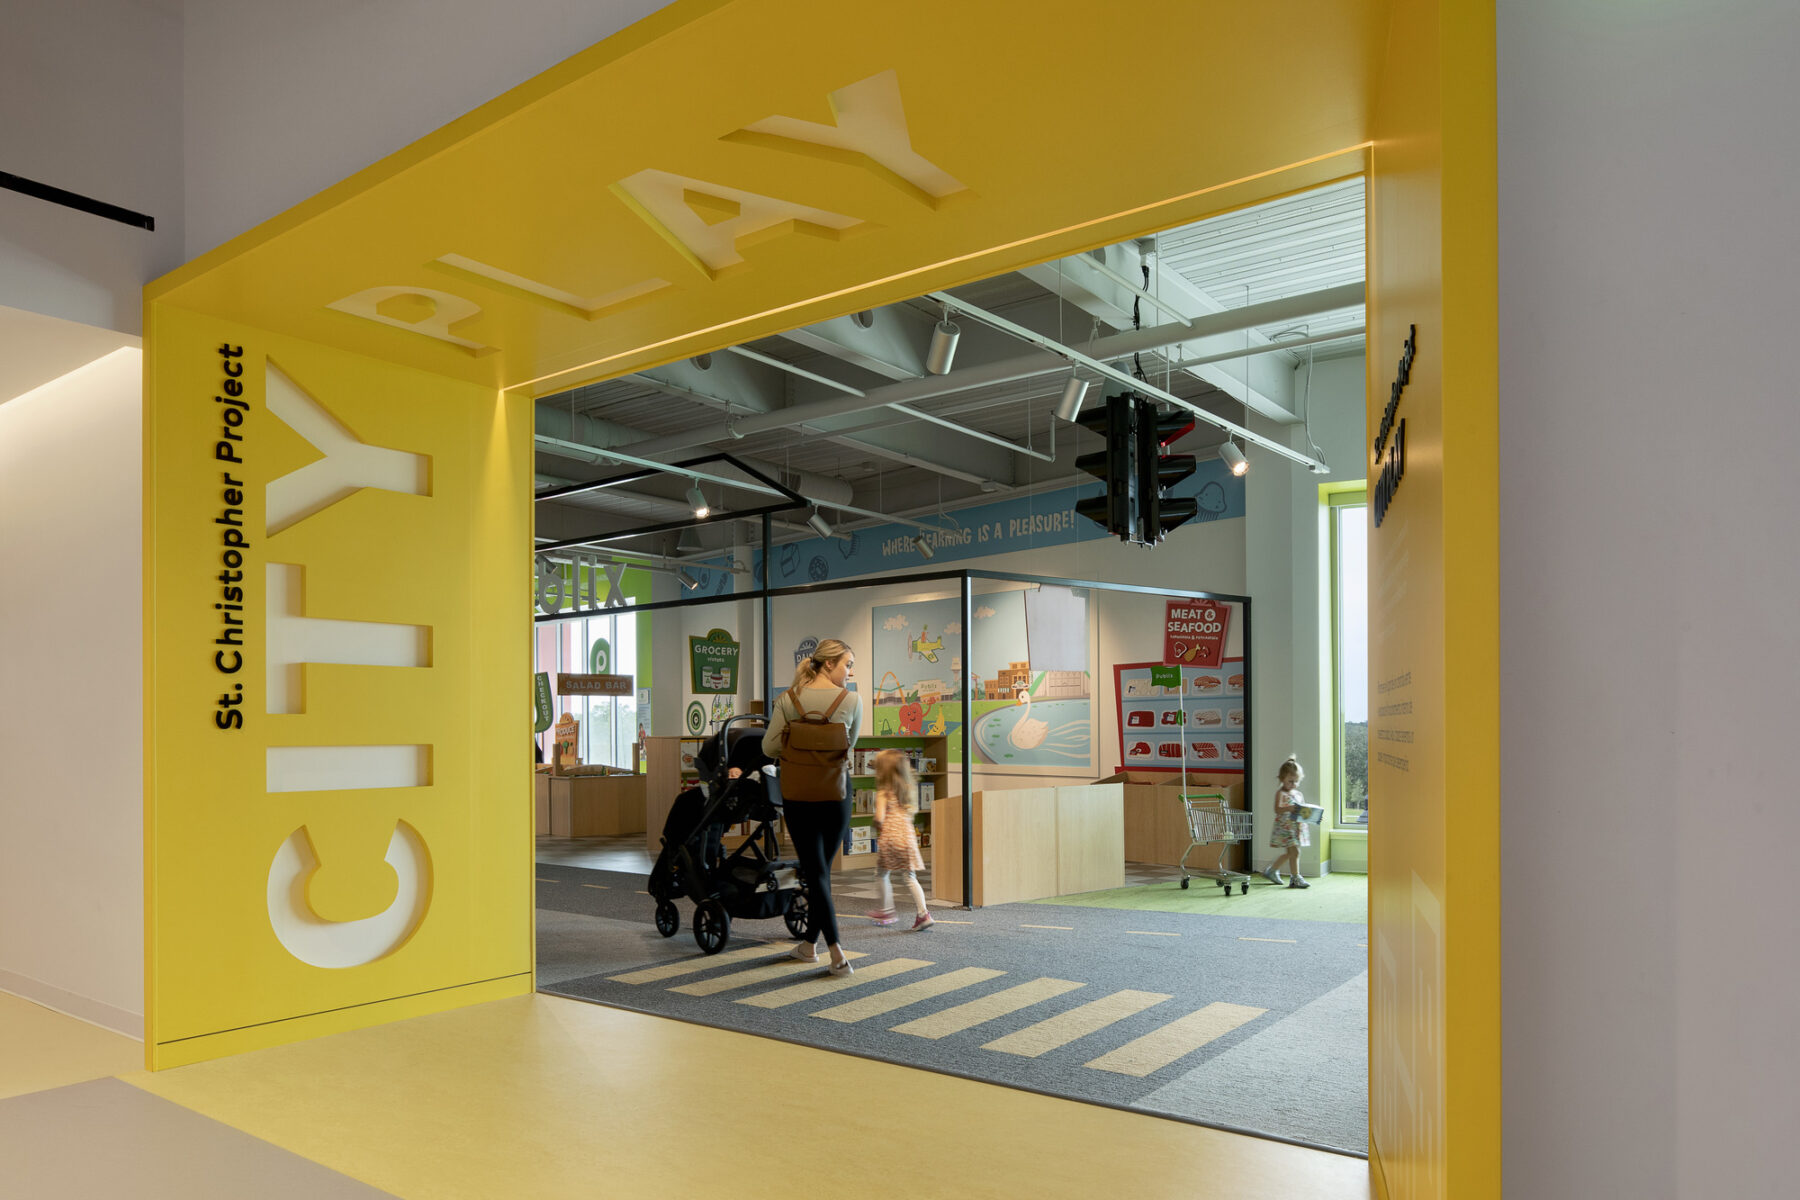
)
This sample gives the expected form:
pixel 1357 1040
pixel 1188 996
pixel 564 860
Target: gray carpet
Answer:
pixel 1253 1024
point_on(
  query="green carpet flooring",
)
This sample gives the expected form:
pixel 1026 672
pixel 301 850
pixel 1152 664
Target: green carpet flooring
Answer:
pixel 1343 898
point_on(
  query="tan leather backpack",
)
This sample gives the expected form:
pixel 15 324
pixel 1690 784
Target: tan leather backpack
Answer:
pixel 815 753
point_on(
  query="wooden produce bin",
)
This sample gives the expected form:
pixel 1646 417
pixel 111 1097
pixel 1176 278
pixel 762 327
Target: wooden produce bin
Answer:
pixel 1156 829
pixel 541 788
pixel 1032 842
pixel 596 805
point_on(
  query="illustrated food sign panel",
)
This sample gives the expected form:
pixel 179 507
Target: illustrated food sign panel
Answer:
pixel 714 662
pixel 1201 722
pixel 337 601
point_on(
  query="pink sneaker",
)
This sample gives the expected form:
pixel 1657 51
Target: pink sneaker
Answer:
pixel 883 916
pixel 925 921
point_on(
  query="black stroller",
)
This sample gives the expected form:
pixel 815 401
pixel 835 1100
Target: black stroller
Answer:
pixel 750 883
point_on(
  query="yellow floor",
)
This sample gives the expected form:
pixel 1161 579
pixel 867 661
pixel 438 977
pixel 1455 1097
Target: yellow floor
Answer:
pixel 41 1049
pixel 544 1097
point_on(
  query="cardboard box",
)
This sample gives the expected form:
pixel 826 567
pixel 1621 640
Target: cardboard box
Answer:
pixel 1156 828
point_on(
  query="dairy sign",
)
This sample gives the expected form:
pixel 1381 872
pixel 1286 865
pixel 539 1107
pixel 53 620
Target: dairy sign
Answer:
pixel 1194 632
pixel 715 662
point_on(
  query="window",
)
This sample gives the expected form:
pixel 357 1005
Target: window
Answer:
pixel 1349 519
pixel 608 724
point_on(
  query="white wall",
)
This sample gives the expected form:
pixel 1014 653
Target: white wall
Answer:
pixel 286 99
pixel 71 695
pixel 1649 494
pixel 91 92
pixel 1283 549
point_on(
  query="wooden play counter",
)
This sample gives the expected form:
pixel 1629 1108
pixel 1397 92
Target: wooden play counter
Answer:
pixel 1032 842
pixel 589 805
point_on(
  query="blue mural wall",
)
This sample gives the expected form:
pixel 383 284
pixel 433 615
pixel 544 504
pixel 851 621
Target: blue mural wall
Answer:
pixel 1017 523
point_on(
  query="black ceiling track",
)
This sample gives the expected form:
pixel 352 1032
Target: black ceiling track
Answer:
pixel 789 500
pixel 76 201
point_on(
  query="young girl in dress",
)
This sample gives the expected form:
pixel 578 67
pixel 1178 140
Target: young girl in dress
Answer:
pixel 1290 833
pixel 896 799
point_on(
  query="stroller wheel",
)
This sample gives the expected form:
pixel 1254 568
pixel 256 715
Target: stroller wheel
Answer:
pixel 712 926
pixel 797 913
pixel 668 918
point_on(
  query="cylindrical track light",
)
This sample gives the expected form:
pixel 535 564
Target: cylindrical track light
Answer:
pixel 1074 392
pixel 925 550
pixel 820 525
pixel 687 581
pixel 1234 458
pixel 943 347
pixel 697 498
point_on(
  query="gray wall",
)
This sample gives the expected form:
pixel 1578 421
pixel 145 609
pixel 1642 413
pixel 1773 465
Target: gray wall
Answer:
pixel 1649 496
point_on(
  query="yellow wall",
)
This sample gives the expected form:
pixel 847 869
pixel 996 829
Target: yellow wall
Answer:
pixel 443 548
pixel 1433 577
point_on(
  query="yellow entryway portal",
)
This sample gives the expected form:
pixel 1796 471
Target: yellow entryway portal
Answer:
pixel 339 434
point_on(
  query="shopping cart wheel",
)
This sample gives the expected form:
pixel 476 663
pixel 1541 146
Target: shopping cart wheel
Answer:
pixel 1226 884
pixel 712 926
pixel 1243 888
pixel 668 918
pixel 1184 883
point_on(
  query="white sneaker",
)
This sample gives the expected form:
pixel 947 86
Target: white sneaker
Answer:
pixel 804 952
pixel 1272 875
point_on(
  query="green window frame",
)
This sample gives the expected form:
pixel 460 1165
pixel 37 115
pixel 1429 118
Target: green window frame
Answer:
pixel 1350 808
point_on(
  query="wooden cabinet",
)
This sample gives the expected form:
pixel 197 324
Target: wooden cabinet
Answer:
pixel 1030 843
pixel 595 805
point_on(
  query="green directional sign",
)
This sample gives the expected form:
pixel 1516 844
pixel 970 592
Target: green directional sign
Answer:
pixel 541 705
pixel 1165 676
pixel 600 657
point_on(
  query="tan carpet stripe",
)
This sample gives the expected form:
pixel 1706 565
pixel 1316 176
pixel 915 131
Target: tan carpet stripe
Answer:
pixel 756 975
pixel 966 1016
pixel 1060 1030
pixel 886 1002
pixel 1160 1047
pixel 700 962
pixel 812 989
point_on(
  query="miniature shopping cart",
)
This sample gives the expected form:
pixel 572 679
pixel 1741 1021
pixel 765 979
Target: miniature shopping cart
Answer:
pixel 1213 823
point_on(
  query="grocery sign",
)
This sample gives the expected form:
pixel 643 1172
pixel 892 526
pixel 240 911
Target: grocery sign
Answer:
pixel 715 662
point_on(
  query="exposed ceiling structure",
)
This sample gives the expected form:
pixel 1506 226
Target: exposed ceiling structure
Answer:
pixel 1215 315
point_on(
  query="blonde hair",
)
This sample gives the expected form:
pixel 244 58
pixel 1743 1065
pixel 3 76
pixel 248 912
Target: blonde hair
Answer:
pixel 829 652
pixel 894 775
pixel 1291 763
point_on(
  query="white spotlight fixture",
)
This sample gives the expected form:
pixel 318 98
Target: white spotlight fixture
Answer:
pixel 1234 458
pixel 1073 393
pixel 689 541
pixel 687 581
pixel 943 347
pixel 925 550
pixel 820 525
pixel 698 499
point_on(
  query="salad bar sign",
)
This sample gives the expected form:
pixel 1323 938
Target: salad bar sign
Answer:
pixel 1194 633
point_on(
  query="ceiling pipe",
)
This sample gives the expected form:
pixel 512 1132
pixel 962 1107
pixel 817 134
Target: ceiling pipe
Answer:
pixel 1137 385
pixel 1029 366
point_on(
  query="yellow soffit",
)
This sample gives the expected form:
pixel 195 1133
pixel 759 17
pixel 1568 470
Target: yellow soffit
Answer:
pixel 722 171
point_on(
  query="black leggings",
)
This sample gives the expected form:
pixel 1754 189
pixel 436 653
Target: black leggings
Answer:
pixel 817 830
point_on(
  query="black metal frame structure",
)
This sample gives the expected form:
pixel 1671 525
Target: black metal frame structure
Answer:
pixel 966 579
pixel 791 500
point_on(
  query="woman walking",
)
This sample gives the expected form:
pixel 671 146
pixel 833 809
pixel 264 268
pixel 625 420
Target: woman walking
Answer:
pixel 815 779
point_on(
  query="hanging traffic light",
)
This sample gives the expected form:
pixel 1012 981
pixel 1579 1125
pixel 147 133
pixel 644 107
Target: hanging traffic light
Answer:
pixel 1115 510
pixel 1158 471
pixel 1136 470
